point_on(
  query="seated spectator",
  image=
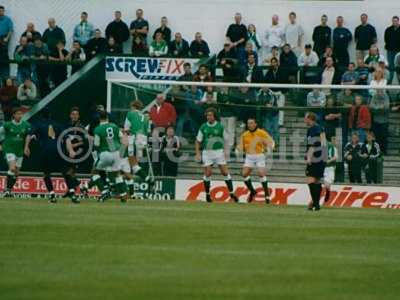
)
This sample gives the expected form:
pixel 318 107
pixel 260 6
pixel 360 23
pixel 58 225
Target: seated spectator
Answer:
pixel 288 64
pixel 227 53
pixel 169 152
pixel 362 72
pixel 113 48
pixel 378 80
pixel 27 91
pixel 350 77
pixel 252 73
pixel 30 33
pixel 274 74
pixel 331 118
pixel 352 156
pixel 386 72
pixel 372 59
pixel 190 111
pixel 53 34
pixel 359 118
pixel 345 98
pixel 139 47
pixel 158 47
pixel 22 54
pixel 84 31
pixel 308 60
pixel 380 109
pixel 199 47
pixel 96 45
pixel 164 30
pixel 266 97
pixel 8 96
pixel 187 75
pixel 254 38
pixel 77 57
pixel 328 53
pixel 59 72
pixel 203 75
pixel 245 52
pixel 140 26
pixel 274 54
pixel 118 30
pixel 41 71
pixel 329 75
pixel 209 99
pixel 228 59
pixel 179 47
pixel 162 114
pixel 370 153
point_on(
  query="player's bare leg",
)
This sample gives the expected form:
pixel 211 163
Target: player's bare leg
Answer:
pixel 262 173
pixel 246 172
pixel 228 181
pixel 207 182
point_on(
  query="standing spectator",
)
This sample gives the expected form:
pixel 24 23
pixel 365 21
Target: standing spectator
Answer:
pixel 243 98
pixel 117 29
pixel 164 30
pixel 359 118
pixel 59 71
pixel 158 47
pixel 179 47
pixel 254 38
pixel 96 45
pixel 162 114
pixel 27 91
pixel 22 55
pixel 8 95
pixel 288 63
pixel 6 26
pixel 331 118
pixel 380 109
pixel 329 75
pixel 199 47
pixel 267 98
pixel 113 48
pixel 370 153
pixel 322 36
pixel 190 111
pixel 53 35
pixel 328 53
pixel 84 31
pixel 227 116
pixel 308 61
pixel 252 73
pixel 392 45
pixel 140 26
pixel 373 58
pixel 274 36
pixel 341 40
pixel 350 76
pixel 139 47
pixel 41 70
pixel 77 57
pixel 30 33
pixel 294 34
pixel 352 156
pixel 364 36
pixel 169 152
pixel 237 33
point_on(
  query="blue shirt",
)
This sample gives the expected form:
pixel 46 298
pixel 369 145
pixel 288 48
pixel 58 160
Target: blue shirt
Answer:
pixel 6 25
pixel 314 139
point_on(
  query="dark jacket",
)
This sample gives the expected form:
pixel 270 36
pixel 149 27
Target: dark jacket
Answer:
pixel 337 77
pixel 341 40
pixel 322 36
pixel 166 33
pixel 365 36
pixel 52 36
pixel 256 74
pixel 118 30
pixel 392 39
pixel 179 50
pixel 96 45
pixel 197 47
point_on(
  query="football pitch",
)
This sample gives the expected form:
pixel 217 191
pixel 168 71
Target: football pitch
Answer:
pixel 177 250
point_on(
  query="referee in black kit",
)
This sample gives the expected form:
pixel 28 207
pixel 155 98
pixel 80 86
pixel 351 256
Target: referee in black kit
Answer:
pixel 316 158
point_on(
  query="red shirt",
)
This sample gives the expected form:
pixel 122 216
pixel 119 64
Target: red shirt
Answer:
pixel 164 115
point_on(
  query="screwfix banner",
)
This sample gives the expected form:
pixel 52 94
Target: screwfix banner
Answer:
pixel 294 194
pixel 149 68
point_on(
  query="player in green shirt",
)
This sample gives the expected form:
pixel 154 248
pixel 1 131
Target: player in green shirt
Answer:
pixel 107 145
pixel 211 149
pixel 15 144
pixel 330 168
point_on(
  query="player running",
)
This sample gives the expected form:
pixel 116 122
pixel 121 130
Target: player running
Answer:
pixel 329 173
pixel 211 149
pixel 315 157
pixel 254 142
pixel 15 144
pixel 107 146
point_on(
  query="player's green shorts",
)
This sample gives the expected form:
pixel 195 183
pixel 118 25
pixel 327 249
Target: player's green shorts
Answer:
pixel 11 157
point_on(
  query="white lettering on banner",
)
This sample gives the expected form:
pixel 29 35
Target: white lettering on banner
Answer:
pixel 126 68
pixel 294 194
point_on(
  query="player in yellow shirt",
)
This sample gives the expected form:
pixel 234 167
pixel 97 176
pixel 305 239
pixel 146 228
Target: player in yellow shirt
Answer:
pixel 255 142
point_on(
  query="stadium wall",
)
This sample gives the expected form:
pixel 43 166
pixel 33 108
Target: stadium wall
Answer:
pixel 211 17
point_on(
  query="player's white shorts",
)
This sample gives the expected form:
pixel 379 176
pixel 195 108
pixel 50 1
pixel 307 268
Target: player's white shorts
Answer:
pixel 136 144
pixel 211 157
pixel 329 175
pixel 124 165
pixel 254 160
pixel 10 157
pixel 109 161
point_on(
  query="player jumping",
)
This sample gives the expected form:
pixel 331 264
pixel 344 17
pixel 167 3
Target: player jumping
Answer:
pixel 315 157
pixel 211 149
pixel 15 145
pixel 255 142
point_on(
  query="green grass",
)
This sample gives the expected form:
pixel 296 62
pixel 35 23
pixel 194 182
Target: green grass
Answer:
pixel 176 250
